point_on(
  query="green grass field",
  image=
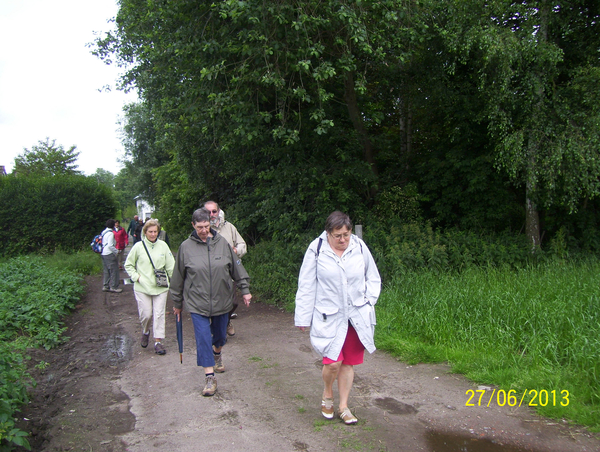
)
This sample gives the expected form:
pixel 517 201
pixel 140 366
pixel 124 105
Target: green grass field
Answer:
pixel 529 329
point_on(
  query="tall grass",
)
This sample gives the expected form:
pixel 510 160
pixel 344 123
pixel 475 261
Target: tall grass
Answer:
pixel 82 263
pixel 529 328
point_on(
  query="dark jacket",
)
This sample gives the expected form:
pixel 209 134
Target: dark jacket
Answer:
pixel 132 225
pixel 203 276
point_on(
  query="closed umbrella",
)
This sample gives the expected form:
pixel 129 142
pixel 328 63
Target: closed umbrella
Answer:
pixel 179 336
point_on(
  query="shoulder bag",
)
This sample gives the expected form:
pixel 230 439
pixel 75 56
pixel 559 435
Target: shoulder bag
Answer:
pixel 162 279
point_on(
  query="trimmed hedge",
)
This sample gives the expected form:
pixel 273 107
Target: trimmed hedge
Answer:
pixel 41 215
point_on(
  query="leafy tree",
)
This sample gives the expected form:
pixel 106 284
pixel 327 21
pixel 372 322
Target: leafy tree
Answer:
pixel 47 159
pixel 448 153
pixel 142 149
pixel 104 177
pixel 538 74
pixel 284 111
pixel 126 188
pixel 271 104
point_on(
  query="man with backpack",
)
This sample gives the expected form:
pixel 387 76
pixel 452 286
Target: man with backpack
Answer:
pixel 110 262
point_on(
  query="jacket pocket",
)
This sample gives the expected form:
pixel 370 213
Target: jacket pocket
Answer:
pixel 358 302
pixel 324 321
pixel 367 313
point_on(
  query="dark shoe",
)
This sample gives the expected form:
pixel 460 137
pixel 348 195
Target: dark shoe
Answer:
pixel 159 349
pixel 219 367
pixel 210 386
pixel 230 329
pixel 145 340
pixel 116 290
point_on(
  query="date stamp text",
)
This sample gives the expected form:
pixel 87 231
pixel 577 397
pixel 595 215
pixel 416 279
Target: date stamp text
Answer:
pixel 529 397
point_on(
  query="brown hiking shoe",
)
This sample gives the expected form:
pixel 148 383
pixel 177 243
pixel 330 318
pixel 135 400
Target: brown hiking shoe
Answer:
pixel 219 367
pixel 230 329
pixel 144 341
pixel 159 348
pixel 210 386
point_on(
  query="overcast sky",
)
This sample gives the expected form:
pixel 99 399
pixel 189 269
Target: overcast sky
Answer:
pixel 52 86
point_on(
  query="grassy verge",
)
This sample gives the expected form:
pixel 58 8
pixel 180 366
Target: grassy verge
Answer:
pixel 532 328
pixel 35 295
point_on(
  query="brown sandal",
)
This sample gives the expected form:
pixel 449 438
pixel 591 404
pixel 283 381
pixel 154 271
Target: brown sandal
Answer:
pixel 348 417
pixel 327 407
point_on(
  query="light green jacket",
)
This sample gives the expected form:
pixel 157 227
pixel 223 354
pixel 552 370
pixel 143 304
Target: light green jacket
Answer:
pixel 140 270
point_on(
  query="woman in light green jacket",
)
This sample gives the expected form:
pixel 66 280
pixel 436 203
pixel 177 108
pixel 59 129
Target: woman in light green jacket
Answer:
pixel 151 298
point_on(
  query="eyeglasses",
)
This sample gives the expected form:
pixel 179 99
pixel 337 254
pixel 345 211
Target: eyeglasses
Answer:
pixel 213 211
pixel 341 236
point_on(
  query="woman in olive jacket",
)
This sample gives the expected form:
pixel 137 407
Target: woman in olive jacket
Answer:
pixel 202 280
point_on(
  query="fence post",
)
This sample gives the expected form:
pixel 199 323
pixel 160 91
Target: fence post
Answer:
pixel 358 230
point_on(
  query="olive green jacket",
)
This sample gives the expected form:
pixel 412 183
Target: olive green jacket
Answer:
pixel 204 275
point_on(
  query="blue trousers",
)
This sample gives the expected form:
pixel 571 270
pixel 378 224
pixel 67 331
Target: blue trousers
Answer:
pixel 209 331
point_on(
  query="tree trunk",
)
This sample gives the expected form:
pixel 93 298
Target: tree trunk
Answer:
pixel 532 216
pixel 532 222
pixel 405 126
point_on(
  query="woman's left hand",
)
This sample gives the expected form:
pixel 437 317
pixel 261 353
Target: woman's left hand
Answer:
pixel 177 313
pixel 247 299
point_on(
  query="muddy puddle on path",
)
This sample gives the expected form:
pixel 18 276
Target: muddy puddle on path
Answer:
pixel 117 349
pixel 448 442
pixel 443 441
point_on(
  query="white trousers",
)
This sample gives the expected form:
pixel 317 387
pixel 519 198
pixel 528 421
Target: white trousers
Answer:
pixel 152 307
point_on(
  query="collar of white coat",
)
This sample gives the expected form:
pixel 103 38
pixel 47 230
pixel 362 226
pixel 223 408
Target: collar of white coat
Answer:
pixel 354 243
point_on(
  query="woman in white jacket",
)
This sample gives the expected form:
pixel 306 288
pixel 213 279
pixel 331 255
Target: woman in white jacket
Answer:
pixel 338 286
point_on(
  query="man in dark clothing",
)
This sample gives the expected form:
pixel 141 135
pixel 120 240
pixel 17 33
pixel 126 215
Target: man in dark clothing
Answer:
pixel 137 235
pixel 132 225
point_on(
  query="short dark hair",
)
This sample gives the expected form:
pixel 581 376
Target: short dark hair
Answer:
pixel 337 220
pixel 201 215
pixel 110 224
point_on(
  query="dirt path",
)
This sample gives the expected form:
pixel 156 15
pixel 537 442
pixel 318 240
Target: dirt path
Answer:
pixel 102 392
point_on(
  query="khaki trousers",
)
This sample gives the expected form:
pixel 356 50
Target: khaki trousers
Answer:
pixel 152 307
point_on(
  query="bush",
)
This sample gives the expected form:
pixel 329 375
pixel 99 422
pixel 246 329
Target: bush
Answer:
pixel 41 215
pixel 274 266
pixel 418 246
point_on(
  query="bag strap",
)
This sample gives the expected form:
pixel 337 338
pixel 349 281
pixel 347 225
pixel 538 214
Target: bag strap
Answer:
pixel 148 254
pixel 102 238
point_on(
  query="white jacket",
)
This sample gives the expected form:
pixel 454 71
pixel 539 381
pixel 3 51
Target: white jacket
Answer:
pixel 333 291
pixel 109 244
